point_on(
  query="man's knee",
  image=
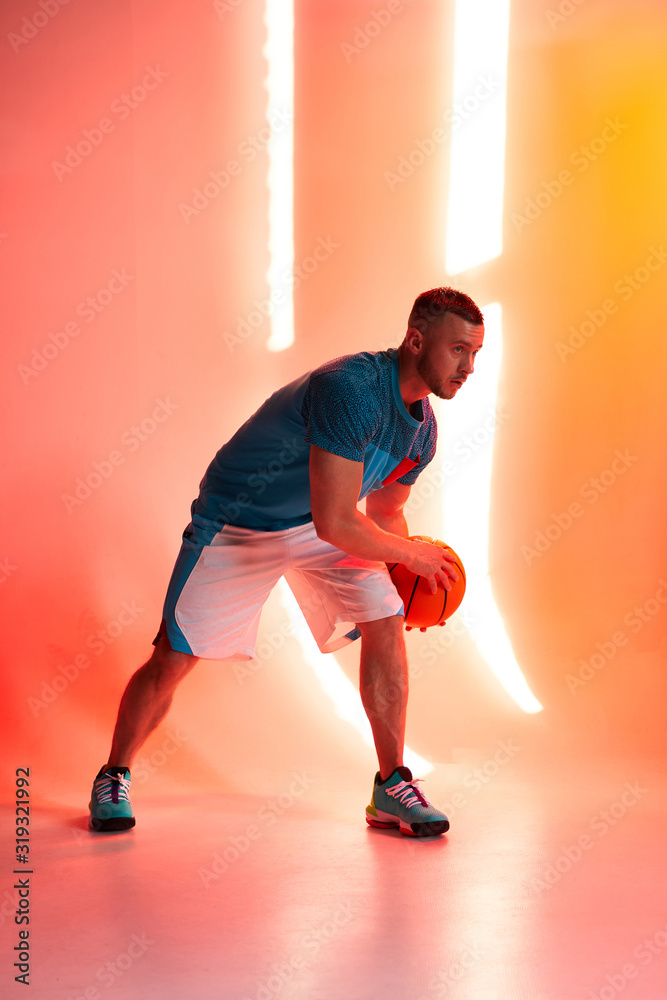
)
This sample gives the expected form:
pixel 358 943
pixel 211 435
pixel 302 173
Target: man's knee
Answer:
pixel 170 665
pixel 382 629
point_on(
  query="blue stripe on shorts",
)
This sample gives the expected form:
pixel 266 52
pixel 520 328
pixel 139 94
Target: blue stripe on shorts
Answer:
pixel 198 534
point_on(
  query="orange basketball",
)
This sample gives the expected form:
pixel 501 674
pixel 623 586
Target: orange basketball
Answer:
pixel 422 608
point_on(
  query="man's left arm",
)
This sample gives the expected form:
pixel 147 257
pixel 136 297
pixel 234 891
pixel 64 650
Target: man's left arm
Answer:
pixel 385 507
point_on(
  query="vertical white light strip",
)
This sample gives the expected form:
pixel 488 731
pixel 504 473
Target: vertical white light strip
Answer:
pixel 467 425
pixel 477 153
pixel 335 683
pixel 279 52
pixel 474 236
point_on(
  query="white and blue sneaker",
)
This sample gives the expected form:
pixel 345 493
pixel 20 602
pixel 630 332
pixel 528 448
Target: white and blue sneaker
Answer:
pixel 110 806
pixel 399 802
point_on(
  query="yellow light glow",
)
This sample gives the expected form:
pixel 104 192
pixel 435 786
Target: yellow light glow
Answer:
pixel 467 429
pixel 279 52
pixel 477 153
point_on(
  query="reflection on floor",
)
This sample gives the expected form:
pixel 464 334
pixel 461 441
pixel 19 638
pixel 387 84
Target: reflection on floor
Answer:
pixel 550 885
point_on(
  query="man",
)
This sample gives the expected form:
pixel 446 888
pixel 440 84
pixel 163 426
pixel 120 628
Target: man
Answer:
pixel 280 498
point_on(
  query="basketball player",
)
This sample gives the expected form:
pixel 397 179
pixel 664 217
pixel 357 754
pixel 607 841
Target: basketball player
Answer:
pixel 280 499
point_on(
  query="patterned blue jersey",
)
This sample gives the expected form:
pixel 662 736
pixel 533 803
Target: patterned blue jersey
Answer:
pixel 351 406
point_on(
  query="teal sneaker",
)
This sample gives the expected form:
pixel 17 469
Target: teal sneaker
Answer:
pixel 399 802
pixel 110 806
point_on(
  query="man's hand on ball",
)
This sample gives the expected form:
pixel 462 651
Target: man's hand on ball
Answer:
pixel 432 562
pixel 408 628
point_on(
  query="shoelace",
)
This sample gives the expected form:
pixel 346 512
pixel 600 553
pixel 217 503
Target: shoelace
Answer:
pixel 113 788
pixel 408 794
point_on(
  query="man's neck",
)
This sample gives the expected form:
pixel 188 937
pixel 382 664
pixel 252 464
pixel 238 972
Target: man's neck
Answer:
pixel 411 386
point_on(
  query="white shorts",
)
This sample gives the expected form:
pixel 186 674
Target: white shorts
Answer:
pixel 223 577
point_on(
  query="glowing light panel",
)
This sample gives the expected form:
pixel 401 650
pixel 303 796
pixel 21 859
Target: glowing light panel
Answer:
pixel 477 152
pixel 467 429
pixel 279 52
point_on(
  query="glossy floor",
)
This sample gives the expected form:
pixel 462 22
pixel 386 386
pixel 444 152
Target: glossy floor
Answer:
pixel 551 884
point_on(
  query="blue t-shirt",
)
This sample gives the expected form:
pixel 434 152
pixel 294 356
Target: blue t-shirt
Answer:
pixel 351 406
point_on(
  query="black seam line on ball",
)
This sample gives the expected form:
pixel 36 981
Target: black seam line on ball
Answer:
pixel 407 610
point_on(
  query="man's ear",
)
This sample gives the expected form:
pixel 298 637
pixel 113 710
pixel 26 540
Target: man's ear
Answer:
pixel 413 340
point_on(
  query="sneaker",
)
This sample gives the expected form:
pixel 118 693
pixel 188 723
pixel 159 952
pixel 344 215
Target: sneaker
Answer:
pixel 399 802
pixel 110 806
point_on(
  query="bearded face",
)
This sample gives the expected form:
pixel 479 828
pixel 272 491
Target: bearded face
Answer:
pixel 446 361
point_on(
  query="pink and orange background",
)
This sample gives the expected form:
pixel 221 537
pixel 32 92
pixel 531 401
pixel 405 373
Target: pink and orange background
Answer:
pixel 157 377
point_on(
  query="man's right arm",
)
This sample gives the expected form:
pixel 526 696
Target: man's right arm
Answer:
pixel 335 484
